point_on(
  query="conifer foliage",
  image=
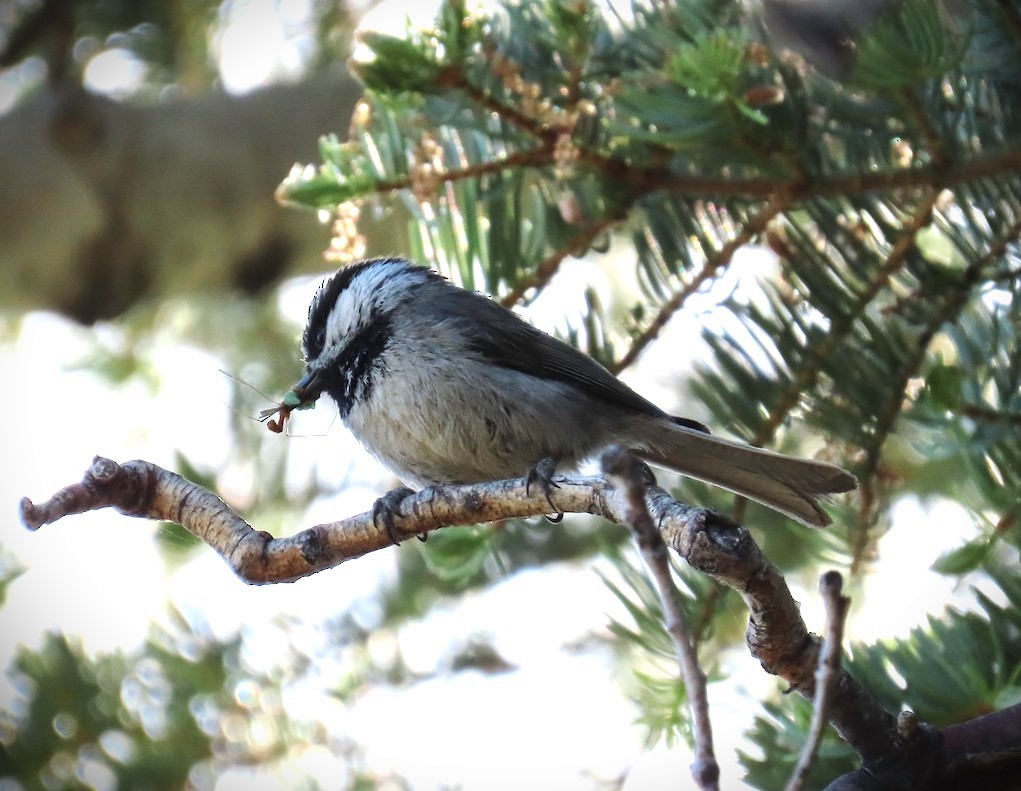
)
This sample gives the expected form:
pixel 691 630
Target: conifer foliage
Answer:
pixel 880 166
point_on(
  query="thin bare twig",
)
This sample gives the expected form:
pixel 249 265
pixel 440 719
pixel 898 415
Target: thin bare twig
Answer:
pixel 627 474
pixel 826 677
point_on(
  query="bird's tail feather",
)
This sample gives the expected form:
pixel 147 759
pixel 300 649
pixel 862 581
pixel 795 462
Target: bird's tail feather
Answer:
pixel 786 484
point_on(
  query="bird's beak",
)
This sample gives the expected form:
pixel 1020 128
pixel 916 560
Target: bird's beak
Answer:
pixel 308 390
pixel 302 396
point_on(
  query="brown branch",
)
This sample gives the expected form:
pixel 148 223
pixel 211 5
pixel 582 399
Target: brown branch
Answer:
pixel 826 677
pixel 777 635
pixel 543 155
pixel 995 165
pixel 907 753
pixel 657 176
pixel 143 489
pixel 631 476
pixel 998 164
pixel 954 301
pixel 545 271
pixel 710 543
pixel 806 376
pixel 712 266
pixel 937 174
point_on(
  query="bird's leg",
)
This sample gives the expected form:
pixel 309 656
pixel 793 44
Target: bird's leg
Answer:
pixel 542 475
pixel 386 508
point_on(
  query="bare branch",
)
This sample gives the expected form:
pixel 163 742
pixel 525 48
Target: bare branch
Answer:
pixel 779 639
pixel 718 261
pixel 143 489
pixel 826 677
pixel 711 543
pixel 631 476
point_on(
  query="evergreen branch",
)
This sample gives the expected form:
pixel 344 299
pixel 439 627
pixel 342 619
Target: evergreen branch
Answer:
pixel 806 377
pixel 710 269
pixel 782 195
pixel 457 79
pixel 630 476
pixel 645 180
pixel 532 157
pixel 954 301
pixel 655 177
pixel 1004 162
pixel 545 271
pixel 827 676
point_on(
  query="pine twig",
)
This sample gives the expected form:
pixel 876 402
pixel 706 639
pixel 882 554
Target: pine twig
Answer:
pixel 538 157
pixel 826 677
pixel 954 301
pixel 545 271
pixel 628 475
pixel 805 378
pixel 710 269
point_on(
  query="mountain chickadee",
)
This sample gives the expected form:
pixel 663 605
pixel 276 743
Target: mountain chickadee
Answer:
pixel 446 386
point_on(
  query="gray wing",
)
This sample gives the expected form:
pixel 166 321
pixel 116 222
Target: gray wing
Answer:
pixel 505 339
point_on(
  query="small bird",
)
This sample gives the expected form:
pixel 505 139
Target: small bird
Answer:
pixel 445 386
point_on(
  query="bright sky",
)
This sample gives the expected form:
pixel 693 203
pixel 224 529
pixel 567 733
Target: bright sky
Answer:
pixel 558 721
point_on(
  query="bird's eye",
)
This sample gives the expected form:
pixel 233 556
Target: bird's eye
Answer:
pixel 320 338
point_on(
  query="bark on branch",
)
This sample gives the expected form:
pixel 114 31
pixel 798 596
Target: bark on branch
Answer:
pixel 777 635
pixel 893 754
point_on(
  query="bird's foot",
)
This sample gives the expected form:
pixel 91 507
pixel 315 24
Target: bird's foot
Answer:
pixel 387 508
pixel 541 475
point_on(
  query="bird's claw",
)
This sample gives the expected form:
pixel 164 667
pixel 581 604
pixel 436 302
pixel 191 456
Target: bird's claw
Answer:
pixel 387 508
pixel 542 475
